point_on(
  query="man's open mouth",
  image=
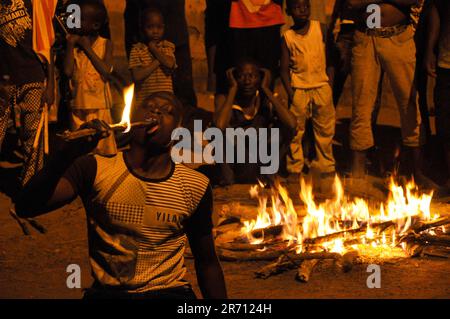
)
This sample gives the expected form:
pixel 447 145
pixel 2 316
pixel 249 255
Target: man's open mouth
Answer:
pixel 152 130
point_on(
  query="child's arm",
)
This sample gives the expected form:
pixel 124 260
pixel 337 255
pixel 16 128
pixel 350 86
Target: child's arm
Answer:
pixel 164 59
pixel 140 73
pixel 284 69
pixel 69 60
pixel 432 40
pixel 286 116
pixel 103 66
pixel 222 114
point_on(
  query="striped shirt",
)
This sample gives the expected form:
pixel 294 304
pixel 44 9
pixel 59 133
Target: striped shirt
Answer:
pixel 137 227
pixel 161 78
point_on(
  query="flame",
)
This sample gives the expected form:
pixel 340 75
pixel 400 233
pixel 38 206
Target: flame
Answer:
pixel 128 99
pixel 404 206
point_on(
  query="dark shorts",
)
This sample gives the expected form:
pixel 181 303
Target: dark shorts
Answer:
pixel 182 292
pixel 442 104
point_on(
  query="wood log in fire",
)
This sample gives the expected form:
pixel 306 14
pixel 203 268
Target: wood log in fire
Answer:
pixel 348 260
pixel 413 249
pixel 439 240
pixel 436 251
pixel 282 264
pixel 249 255
pixel 421 226
pixel 291 260
pixel 322 239
pixel 271 231
pixel 305 269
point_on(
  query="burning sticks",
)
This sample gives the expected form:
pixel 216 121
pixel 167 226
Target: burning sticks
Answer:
pixel 305 270
pixel 348 231
pixel 123 126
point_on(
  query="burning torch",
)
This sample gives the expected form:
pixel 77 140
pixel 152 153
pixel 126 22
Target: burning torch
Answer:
pixel 123 126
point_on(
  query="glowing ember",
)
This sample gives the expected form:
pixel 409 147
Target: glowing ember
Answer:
pixel 354 223
pixel 128 99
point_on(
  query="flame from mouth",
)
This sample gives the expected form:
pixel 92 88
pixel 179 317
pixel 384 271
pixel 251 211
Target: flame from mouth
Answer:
pixel 128 99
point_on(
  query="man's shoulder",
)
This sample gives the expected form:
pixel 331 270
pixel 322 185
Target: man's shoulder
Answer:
pixel 192 177
pixel 105 161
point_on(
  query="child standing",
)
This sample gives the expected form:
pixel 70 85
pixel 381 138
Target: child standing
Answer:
pixel 303 72
pixel 88 64
pixel 152 61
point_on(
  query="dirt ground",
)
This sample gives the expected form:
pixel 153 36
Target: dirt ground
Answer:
pixel 34 266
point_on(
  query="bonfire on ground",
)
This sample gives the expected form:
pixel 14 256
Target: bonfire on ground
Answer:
pixel 343 229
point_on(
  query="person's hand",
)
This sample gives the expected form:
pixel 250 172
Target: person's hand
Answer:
pixel 267 78
pixel 231 79
pixel 72 39
pixel 84 42
pixel 429 64
pixel 85 145
pixel 154 45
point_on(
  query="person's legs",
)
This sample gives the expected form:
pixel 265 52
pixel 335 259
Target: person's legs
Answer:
pixel 295 159
pixel 344 45
pixel 29 103
pixel 398 58
pixel 442 104
pixel 365 78
pixel 5 113
pixel 324 121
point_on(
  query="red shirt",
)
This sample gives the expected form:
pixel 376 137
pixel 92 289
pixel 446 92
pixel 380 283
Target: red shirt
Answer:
pixel 248 14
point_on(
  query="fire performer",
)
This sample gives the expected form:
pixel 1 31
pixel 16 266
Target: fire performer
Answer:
pixel 140 208
pixel 389 48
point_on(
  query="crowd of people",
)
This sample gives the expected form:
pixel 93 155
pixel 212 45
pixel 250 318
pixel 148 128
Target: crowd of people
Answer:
pixel 140 205
pixel 312 58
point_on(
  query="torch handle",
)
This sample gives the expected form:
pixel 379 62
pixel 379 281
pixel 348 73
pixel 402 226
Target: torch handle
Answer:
pixel 73 135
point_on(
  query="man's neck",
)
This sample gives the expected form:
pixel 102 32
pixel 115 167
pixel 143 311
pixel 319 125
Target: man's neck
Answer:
pixel 152 165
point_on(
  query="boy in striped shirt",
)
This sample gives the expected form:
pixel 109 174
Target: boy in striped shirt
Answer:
pixel 152 61
pixel 141 207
